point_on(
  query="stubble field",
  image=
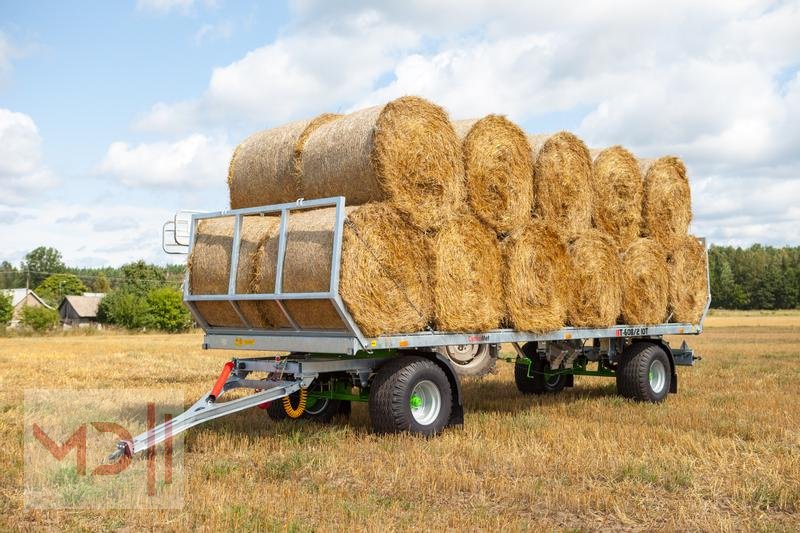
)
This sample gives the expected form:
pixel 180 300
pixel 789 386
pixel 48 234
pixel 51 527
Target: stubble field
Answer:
pixel 723 454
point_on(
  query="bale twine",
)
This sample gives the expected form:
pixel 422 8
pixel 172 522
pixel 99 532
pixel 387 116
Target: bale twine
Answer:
pixel 617 190
pixel 645 280
pixel 537 288
pixel 688 280
pixel 499 171
pixel 263 169
pixel 210 263
pixel 667 202
pixel 383 271
pixel 405 152
pixel 467 276
pixel 596 280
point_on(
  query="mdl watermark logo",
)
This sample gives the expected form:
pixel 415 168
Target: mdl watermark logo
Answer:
pixel 69 435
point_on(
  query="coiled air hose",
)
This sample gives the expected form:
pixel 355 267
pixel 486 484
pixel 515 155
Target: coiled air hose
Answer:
pixel 296 412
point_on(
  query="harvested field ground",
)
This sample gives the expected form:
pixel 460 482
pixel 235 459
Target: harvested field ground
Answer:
pixel 723 454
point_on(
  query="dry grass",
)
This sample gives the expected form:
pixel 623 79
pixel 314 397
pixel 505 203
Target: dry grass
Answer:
pixel 723 454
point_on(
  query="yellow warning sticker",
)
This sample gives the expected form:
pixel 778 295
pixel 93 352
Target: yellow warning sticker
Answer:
pixel 239 341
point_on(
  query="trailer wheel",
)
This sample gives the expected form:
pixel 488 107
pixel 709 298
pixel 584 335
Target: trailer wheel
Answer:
pixel 411 394
pixel 471 360
pixel 644 373
pixel 538 383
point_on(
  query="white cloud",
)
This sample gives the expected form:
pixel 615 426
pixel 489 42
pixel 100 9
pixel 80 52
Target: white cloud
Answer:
pixel 302 74
pixel 714 82
pixel 97 237
pixel 22 173
pixel 194 161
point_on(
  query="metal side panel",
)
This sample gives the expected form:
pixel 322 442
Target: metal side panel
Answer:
pixel 322 343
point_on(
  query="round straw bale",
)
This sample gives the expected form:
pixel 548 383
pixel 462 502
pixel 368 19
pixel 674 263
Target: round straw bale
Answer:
pixel 667 202
pixel 499 171
pixel 596 280
pixel 263 169
pixel 383 271
pixel 617 190
pixel 645 283
pixel 210 264
pixel 537 287
pixel 688 280
pixel 467 276
pixel 562 192
pixel 405 152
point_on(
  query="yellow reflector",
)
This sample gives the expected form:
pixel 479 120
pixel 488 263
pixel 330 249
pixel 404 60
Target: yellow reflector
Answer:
pixel 403 343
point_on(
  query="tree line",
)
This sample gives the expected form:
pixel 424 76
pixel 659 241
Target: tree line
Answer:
pixel 138 295
pixel 141 295
pixel 758 277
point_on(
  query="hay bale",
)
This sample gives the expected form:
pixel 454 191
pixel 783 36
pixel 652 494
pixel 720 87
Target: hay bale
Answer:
pixel 264 169
pixel 210 263
pixel 645 280
pixel 383 272
pixel 688 280
pixel 537 288
pixel 499 171
pixel 617 190
pixel 405 152
pixel 467 276
pixel 561 185
pixel 667 202
pixel 596 280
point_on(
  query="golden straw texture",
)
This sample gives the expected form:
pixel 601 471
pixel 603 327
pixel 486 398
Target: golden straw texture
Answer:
pixel 467 276
pixel 499 171
pixel 562 193
pixel 210 263
pixel 667 203
pixel 383 274
pixel 617 189
pixel 405 152
pixel 596 280
pixel 537 286
pixel 261 171
pixel 688 280
pixel 645 283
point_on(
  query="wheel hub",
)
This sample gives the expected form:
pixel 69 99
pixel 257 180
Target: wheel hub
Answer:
pixel 425 402
pixel 463 353
pixel 657 375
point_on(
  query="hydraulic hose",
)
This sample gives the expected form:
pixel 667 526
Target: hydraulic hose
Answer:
pixel 296 412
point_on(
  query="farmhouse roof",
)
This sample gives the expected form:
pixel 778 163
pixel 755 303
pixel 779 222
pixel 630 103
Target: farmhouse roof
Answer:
pixel 17 295
pixel 84 306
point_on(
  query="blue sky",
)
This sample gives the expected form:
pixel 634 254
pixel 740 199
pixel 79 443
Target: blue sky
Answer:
pixel 115 114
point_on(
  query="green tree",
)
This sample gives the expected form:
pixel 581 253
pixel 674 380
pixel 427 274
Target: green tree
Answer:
pixel 9 276
pixel 165 310
pixel 140 277
pixel 123 308
pixel 39 318
pixel 6 310
pixel 100 283
pixel 41 262
pixel 56 286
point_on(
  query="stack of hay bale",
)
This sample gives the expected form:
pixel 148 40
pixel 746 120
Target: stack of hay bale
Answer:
pixel 463 226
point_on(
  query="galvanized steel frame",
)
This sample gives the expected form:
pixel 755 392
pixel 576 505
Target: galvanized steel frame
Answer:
pixel 349 340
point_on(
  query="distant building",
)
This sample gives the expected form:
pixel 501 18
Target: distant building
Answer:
pixel 21 298
pixel 80 311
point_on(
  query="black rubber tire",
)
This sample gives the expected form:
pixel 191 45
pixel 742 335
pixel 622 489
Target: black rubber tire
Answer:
pixel 390 395
pixel 538 384
pixel 323 413
pixel 633 372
